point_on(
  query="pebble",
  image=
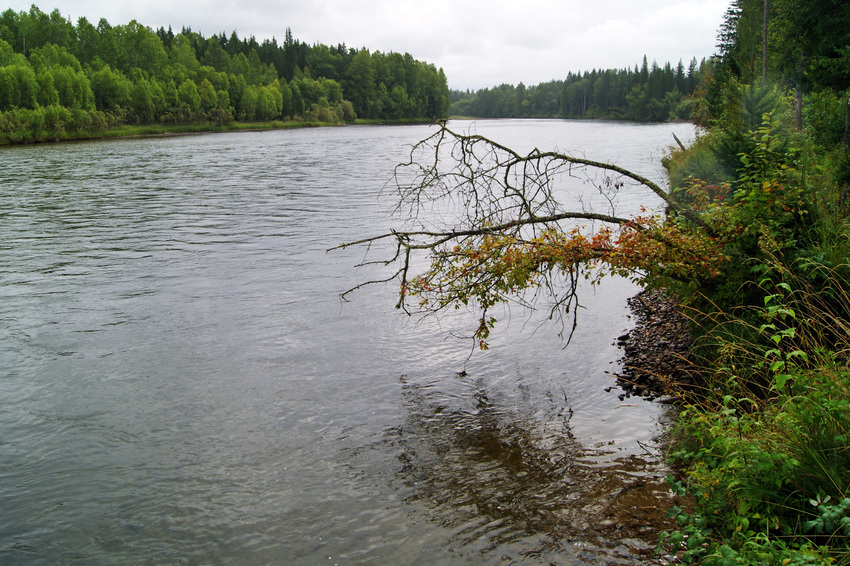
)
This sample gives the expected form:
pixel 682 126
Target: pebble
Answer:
pixel 656 363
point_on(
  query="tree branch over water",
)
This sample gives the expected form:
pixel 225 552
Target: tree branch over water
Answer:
pixel 493 226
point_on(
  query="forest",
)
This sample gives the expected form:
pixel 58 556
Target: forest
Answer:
pixel 650 93
pixel 60 80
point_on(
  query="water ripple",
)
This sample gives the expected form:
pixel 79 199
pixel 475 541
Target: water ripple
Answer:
pixel 181 383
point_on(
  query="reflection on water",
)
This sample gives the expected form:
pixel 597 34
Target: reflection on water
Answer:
pixel 180 383
pixel 510 488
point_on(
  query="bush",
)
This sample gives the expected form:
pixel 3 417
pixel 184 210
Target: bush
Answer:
pixel 765 452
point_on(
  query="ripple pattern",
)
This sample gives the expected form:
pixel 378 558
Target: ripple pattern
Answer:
pixel 181 384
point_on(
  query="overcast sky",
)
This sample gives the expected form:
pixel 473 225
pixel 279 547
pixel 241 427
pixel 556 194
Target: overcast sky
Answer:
pixel 478 43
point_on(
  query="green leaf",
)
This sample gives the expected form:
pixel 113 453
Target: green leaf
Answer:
pixel 780 379
pixel 797 354
pixel 773 352
pixel 814 524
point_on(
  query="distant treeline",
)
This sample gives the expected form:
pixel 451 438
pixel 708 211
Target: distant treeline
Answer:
pixel 648 93
pixel 61 80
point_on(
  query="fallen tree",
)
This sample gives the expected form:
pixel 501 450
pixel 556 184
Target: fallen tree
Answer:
pixel 492 225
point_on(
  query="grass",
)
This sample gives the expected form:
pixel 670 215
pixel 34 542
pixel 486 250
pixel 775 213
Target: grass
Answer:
pixel 764 451
pixel 130 130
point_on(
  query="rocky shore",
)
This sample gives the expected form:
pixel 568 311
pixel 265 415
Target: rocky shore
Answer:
pixel 656 362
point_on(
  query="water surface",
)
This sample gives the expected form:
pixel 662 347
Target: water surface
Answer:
pixel 181 383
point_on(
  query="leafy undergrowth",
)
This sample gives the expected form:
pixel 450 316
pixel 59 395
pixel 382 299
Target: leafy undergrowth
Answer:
pixel 764 453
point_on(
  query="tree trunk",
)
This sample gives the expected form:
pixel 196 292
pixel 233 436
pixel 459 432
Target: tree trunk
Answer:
pixel 847 128
pixel 764 43
pixel 798 95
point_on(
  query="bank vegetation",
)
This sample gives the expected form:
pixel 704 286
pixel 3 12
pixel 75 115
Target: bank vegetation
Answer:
pixel 62 80
pixel 754 244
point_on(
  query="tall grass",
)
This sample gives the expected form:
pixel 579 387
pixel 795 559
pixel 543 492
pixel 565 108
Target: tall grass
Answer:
pixel 765 445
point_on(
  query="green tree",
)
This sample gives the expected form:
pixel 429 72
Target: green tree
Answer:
pixel 325 63
pixel 107 74
pixel 53 56
pixel 248 103
pixel 348 113
pixel 87 44
pixel 269 103
pixel 107 48
pixel 47 94
pixel 740 39
pixel 235 89
pixel 139 47
pixel 72 88
pixel 111 89
pixel 359 85
pixel 208 97
pixel 223 111
pixel 168 98
pixel 399 103
pixel 183 56
pixel 188 100
pixel 287 108
pixel 8 57
pixel 812 45
pixel 143 106
pixel 18 87
pixel 215 56
pixel 290 56
pixel 239 66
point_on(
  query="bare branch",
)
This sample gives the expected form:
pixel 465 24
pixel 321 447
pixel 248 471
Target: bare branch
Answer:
pixel 471 204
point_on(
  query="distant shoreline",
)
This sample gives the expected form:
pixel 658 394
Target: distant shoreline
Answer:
pixel 163 130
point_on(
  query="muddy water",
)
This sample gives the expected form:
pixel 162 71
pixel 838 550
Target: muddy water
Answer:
pixel 181 384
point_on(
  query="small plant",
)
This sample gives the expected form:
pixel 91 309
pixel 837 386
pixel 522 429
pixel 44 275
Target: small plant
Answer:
pixel 832 520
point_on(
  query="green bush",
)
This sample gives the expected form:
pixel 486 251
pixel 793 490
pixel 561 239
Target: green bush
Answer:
pixel 765 453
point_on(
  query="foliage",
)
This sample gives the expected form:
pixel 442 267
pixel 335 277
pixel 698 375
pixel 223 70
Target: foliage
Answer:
pixel 498 267
pixel 763 475
pixel 648 93
pixel 731 111
pixel 766 451
pixel 754 241
pixel 810 40
pixel 138 76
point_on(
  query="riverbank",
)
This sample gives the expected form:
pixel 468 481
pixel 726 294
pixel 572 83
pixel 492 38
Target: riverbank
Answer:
pixel 762 470
pixel 656 363
pixel 163 130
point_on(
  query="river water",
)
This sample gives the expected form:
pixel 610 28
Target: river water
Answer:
pixel 181 384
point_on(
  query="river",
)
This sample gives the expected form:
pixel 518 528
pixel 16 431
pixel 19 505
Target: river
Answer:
pixel 181 383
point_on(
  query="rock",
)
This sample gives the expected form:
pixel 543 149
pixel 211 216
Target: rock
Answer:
pixel 655 362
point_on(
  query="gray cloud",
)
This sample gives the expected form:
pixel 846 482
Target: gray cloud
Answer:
pixel 478 43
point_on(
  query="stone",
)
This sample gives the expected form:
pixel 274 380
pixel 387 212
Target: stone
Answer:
pixel 655 352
